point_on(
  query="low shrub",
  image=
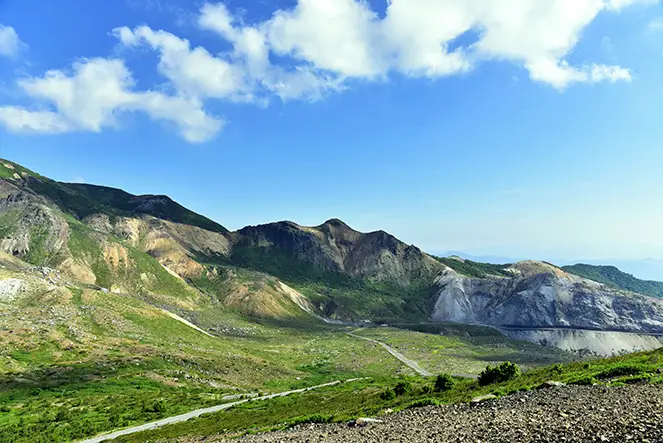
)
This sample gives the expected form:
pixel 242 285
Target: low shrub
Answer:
pixel 314 418
pixel 402 388
pixel 158 406
pixel 444 382
pixel 387 395
pixel 635 379
pixel 557 368
pixel 423 402
pixel 585 381
pixel 620 371
pixel 425 390
pixel 499 374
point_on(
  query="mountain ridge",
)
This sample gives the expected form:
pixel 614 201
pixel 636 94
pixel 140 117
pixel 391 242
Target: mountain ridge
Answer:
pixel 613 276
pixel 114 239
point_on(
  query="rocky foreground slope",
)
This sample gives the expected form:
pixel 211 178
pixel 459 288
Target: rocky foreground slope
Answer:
pixel 568 414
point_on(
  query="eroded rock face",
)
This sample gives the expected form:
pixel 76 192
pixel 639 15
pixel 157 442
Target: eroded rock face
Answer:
pixel 31 229
pixel 542 296
pixel 336 248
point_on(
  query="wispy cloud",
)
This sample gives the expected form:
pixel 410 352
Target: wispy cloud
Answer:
pixel 10 44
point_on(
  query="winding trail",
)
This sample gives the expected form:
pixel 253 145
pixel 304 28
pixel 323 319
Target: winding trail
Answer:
pixel 406 361
pixel 199 412
pixel 411 363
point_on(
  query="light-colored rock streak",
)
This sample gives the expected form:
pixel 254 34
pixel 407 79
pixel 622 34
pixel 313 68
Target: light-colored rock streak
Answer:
pixel 9 289
pixel 186 322
pixel 199 412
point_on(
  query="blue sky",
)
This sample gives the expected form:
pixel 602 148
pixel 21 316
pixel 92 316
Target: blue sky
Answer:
pixel 515 128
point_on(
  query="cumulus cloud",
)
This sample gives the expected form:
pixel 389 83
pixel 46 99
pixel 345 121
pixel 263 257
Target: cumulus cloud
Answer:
pixel 312 49
pixel 91 97
pixel 10 43
pixel 346 39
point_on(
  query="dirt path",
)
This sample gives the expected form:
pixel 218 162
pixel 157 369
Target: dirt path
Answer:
pixel 406 361
pixel 199 412
pixel 411 363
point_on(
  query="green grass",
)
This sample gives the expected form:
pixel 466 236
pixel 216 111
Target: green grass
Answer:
pixel 464 349
pixel 111 361
pixel 612 276
pixel 8 221
pixel 85 247
pixel 108 359
pixel 349 401
pixel 470 268
pixel 143 275
pixel 6 172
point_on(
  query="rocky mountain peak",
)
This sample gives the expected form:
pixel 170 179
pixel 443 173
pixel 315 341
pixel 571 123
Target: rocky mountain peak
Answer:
pixel 336 223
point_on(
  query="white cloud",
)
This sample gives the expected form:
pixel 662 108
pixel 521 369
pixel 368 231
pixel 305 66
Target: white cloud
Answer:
pixel 312 49
pixel 10 43
pixel 346 39
pixel 612 74
pixel 340 36
pixel 193 72
pixel 92 96
pixel 21 120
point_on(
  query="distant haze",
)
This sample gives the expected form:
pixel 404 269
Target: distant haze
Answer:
pixel 646 269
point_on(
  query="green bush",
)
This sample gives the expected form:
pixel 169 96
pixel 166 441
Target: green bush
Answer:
pixel 425 390
pixel 402 388
pixel 444 382
pixel 159 406
pixel 315 418
pixel 620 371
pixel 427 401
pixel 387 395
pixel 635 379
pixel 63 415
pixel 505 372
pixel 585 381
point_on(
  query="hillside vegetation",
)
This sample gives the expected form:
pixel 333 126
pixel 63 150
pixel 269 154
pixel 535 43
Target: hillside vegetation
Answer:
pixel 117 310
pixel 612 276
pixel 474 269
pixel 369 399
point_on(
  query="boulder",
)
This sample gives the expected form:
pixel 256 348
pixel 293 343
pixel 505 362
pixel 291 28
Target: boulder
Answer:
pixel 551 384
pixel 483 398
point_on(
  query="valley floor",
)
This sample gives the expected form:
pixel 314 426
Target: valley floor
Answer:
pixel 570 414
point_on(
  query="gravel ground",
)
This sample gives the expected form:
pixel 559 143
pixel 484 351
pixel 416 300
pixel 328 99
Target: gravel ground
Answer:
pixel 560 414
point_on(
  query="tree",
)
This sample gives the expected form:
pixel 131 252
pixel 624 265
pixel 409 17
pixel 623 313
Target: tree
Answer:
pixel 499 374
pixel 444 382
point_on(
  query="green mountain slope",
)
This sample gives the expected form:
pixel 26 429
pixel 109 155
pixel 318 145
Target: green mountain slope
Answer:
pixel 348 274
pixel 114 240
pixel 345 273
pixel 82 200
pixel 118 309
pixel 474 269
pixel 612 276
